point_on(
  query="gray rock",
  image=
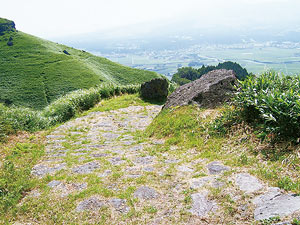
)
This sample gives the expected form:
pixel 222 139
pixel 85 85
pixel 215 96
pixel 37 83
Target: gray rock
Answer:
pixel 54 183
pixel 217 168
pixel 136 148
pixel 133 175
pixel 272 193
pixel 41 170
pixel 169 161
pixel 200 182
pixel 201 206
pixel 105 174
pixel 144 160
pixel 158 142
pixel 210 90
pixel 92 204
pixel 86 168
pixel 148 169
pixel 116 161
pixel 156 89
pixel 248 183
pixel 279 205
pixel 120 205
pixel 145 193
pixel 110 136
pixel 99 155
pixel 185 169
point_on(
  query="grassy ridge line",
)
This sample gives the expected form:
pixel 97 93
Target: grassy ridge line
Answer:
pixel 34 72
pixel 14 119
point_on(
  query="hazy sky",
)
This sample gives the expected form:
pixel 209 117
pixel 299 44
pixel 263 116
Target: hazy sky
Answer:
pixel 54 18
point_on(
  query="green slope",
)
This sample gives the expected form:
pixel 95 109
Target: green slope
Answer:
pixel 34 72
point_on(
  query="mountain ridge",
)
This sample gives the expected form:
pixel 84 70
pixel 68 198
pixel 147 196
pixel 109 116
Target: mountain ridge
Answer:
pixel 35 72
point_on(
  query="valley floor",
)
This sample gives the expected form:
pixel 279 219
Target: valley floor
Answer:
pixel 101 169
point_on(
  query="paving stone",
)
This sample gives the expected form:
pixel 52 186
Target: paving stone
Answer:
pixel 136 148
pixel 105 173
pixel 247 183
pixel 148 169
pixel 145 193
pixel 120 205
pixel 54 183
pixel 86 168
pixel 280 205
pixel 99 155
pixel 201 206
pixel 91 204
pixel 185 169
pixel 127 142
pixel 110 136
pixel 217 168
pixel 41 170
pixel 158 142
pixel 271 193
pixel 144 160
pixel 116 161
pixel 196 183
pixel 169 161
pixel 133 175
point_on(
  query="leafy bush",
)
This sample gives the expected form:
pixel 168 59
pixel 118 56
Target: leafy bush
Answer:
pixel 273 102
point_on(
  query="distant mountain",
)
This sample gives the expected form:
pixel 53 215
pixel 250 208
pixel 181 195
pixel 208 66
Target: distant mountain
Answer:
pixel 34 72
pixel 177 35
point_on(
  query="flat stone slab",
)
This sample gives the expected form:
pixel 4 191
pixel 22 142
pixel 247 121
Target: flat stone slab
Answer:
pixel 217 168
pixel 144 160
pixel 41 170
pixel 91 204
pixel 110 136
pixel 273 203
pixel 185 169
pixel 86 168
pixel 116 161
pixel 170 161
pixel 201 206
pixel 247 183
pixel 145 193
pixel 200 182
pixel 105 173
pixel 54 183
pixel 120 205
pixel 99 155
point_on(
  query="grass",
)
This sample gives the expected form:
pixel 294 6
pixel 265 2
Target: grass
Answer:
pixel 15 173
pixel 13 119
pixel 35 72
pixel 187 128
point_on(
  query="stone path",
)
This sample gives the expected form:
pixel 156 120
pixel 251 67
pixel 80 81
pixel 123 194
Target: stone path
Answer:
pixel 98 166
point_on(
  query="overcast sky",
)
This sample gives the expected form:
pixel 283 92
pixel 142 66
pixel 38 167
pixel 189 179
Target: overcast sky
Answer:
pixel 54 18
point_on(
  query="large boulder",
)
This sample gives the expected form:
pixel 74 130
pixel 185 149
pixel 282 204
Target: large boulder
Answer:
pixel 211 90
pixel 155 89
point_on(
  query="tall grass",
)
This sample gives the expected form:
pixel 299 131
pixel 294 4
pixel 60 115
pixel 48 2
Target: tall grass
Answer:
pixel 14 119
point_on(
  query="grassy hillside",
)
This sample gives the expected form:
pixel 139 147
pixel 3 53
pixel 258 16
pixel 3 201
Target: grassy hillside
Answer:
pixel 34 72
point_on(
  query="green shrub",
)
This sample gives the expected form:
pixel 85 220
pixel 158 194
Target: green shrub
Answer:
pixel 273 101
